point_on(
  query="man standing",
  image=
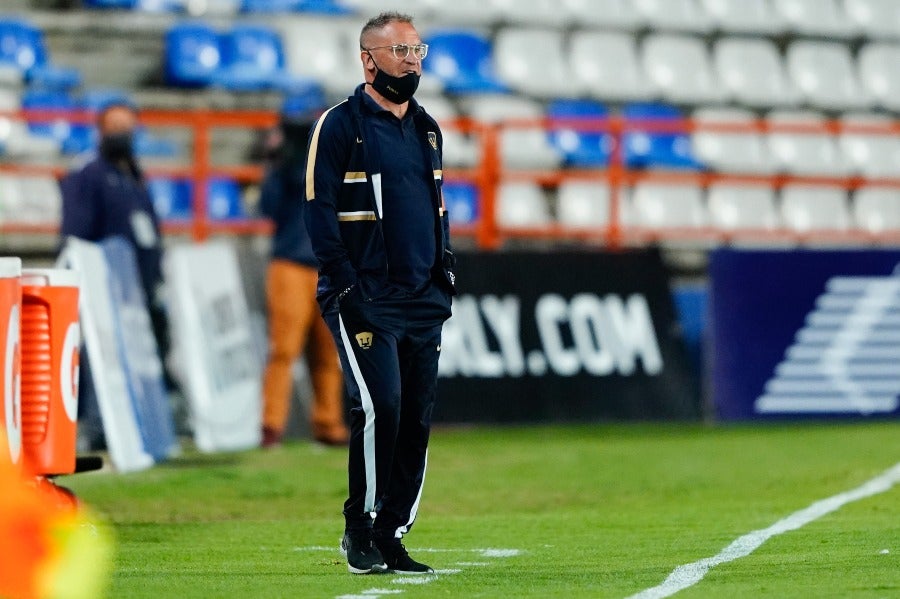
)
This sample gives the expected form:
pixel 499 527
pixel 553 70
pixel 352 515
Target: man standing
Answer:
pixel 107 196
pixel 295 326
pixel 380 233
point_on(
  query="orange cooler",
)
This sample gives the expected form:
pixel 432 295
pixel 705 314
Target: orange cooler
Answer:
pixel 10 413
pixel 50 340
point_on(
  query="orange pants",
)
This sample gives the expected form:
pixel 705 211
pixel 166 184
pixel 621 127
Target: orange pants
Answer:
pixel 295 324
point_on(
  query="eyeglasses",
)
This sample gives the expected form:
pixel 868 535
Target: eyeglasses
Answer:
pixel 401 51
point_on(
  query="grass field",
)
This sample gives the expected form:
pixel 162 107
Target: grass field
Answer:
pixel 584 511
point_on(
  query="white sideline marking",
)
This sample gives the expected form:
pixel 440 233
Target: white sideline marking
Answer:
pixel 421 579
pixel 687 575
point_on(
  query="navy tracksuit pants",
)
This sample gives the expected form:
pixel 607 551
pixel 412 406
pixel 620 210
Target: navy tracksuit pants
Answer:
pixel 389 348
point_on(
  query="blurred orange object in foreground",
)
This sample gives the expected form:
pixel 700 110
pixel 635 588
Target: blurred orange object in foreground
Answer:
pixel 49 548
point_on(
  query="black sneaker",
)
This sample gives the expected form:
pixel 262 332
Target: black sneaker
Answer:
pixel 363 557
pixel 398 560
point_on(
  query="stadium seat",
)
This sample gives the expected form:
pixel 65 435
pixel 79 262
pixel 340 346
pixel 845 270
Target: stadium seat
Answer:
pixel 874 19
pixel 521 204
pixel 22 45
pixel 680 69
pixel 658 206
pixel 656 149
pixel 734 207
pixel 460 149
pixel 824 73
pixel 674 15
pixel 460 12
pixel 869 153
pixel 461 202
pixel 879 74
pixel 876 209
pixel 534 62
pixel 121 4
pixel 326 52
pixel 584 204
pixel 42 200
pixel 580 147
pixel 607 14
pixel 730 151
pixel 171 197
pixel 824 18
pixel 270 6
pixel 802 152
pixel 223 199
pixel 462 61
pixel 16 141
pixel 59 127
pixel 11 201
pixel 546 13
pixel 161 5
pixel 606 65
pixel 520 147
pixel 193 57
pixel 743 16
pixel 253 60
pixel 751 72
pixel 811 208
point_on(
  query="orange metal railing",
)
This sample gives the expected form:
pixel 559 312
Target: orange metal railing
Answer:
pixel 490 172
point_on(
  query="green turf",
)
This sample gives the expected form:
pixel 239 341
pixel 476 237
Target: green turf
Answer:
pixel 596 511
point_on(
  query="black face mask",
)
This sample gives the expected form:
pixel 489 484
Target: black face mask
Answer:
pixel 117 147
pixel 396 89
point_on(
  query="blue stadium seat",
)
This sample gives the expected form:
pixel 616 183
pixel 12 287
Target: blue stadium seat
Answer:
pixel 193 57
pixel 223 199
pixel 252 57
pixel 270 5
pixel 22 45
pixel 651 149
pixel 580 148
pixel 325 7
pixel 125 4
pixel 171 197
pixel 39 99
pixel 461 202
pixel 463 61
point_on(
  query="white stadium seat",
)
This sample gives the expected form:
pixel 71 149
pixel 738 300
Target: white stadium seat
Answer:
pixel 824 18
pixel 674 15
pixel 744 16
pixel 751 71
pixel 877 209
pixel 825 75
pixel 534 62
pixel 742 207
pixel 657 205
pixel 810 208
pixel 730 151
pixel 804 152
pixel 583 204
pixel 679 68
pixel 520 147
pixel 323 51
pixel 458 12
pixel 607 66
pixel 607 14
pixel 875 18
pixel 459 148
pixel 532 12
pixel 868 153
pixel 522 204
pixel 879 71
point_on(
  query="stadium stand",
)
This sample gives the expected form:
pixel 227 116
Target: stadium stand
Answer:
pixel 876 209
pixel 810 208
pixel 803 87
pixel 522 204
pixel 658 206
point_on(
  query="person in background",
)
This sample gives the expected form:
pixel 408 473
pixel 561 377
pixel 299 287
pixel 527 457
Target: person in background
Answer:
pixel 107 196
pixel 375 214
pixel 294 321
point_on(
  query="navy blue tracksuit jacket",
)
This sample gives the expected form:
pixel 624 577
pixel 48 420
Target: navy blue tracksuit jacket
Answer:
pixel 384 308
